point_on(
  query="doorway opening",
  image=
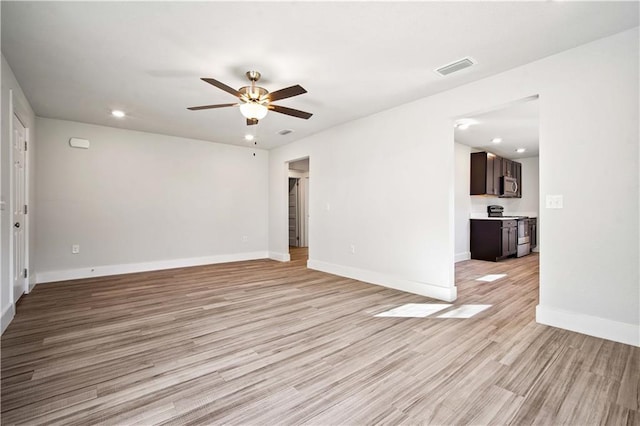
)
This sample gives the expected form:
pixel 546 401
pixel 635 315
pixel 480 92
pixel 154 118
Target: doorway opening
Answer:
pixel 496 227
pixel 298 209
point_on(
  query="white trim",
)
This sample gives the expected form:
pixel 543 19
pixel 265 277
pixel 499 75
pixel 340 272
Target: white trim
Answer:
pixel 27 216
pixel 127 268
pixel 280 257
pixel 448 294
pixel 10 201
pixel 7 316
pixel 586 324
pixel 462 256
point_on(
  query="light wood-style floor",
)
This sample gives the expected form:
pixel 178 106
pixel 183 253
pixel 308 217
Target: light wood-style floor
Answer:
pixel 264 343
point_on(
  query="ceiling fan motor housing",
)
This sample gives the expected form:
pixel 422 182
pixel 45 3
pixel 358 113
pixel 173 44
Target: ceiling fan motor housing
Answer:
pixel 253 75
pixel 253 93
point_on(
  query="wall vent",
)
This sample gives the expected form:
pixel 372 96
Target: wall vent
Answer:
pixel 455 66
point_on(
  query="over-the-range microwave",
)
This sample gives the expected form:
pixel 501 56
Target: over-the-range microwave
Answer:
pixel 508 186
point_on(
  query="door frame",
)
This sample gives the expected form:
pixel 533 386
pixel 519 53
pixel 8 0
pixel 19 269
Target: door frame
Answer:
pixel 296 187
pixel 14 113
pixel 305 222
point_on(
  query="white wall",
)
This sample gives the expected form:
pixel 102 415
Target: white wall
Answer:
pixel 136 201
pixel 462 201
pixel 385 184
pixel 374 185
pixel 23 109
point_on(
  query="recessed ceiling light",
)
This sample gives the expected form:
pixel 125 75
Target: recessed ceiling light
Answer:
pixel 118 113
pixel 465 123
pixel 248 137
pixel 520 150
pixel 496 140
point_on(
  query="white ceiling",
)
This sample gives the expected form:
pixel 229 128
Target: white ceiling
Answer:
pixel 78 60
pixel 516 124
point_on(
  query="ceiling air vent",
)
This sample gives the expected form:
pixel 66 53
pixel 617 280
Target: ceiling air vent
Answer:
pixel 285 132
pixel 456 66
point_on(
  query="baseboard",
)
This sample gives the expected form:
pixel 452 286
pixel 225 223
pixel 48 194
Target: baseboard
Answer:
pixel 280 257
pixel 102 271
pixel 32 283
pixel 447 294
pixel 586 324
pixel 7 316
pixel 462 256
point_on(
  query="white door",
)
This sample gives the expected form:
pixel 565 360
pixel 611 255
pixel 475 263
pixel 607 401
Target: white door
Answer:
pixel 19 208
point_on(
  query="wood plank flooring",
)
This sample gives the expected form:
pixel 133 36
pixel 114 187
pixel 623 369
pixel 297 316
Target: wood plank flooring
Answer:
pixel 263 342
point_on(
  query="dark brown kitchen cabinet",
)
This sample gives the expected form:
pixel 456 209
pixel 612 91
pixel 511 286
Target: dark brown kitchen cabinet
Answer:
pixel 533 232
pixel 486 169
pixel 493 239
pixel 518 175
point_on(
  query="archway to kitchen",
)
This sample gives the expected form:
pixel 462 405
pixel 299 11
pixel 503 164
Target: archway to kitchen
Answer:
pixel 496 154
pixel 298 209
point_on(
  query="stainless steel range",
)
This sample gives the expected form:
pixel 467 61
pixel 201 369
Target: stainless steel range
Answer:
pixel 524 239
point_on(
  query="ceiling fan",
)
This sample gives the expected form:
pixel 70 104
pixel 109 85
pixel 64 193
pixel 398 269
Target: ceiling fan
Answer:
pixel 255 101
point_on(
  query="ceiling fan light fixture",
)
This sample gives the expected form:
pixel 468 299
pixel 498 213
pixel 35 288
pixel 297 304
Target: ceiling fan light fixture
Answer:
pixel 253 110
pixel 256 101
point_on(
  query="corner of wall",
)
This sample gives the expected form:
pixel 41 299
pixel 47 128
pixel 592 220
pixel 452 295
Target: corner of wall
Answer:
pixel 448 294
pixel 460 257
pixel 280 257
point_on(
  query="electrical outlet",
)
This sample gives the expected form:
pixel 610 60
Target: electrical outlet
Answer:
pixel 75 249
pixel 245 238
pixel 353 249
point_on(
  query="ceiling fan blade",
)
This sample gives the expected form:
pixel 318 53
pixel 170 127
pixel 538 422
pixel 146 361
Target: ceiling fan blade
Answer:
pixel 287 92
pixel 196 108
pixel 222 86
pixel 252 121
pixel 290 111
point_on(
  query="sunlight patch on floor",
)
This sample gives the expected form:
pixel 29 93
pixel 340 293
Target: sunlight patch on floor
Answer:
pixel 414 310
pixel 423 310
pixel 491 277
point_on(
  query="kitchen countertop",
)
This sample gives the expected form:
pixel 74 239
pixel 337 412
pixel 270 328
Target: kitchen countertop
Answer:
pixel 501 218
pixel 479 215
pixel 493 218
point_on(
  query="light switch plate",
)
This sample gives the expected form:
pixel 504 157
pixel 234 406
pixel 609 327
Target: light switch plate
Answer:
pixel 554 201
